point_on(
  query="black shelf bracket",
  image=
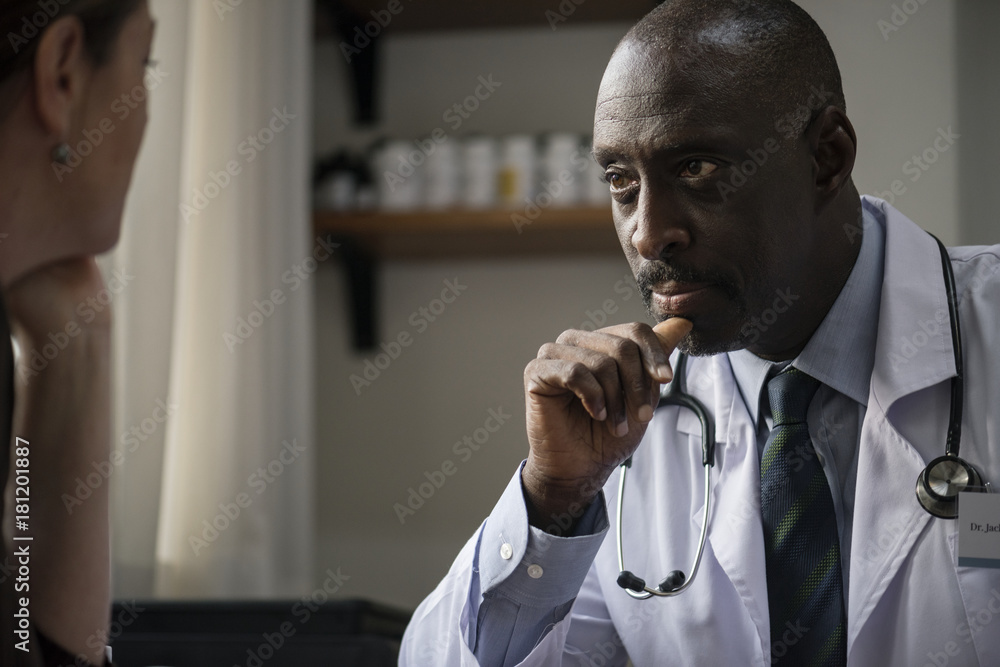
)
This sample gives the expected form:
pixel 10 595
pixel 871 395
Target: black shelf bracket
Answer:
pixel 360 268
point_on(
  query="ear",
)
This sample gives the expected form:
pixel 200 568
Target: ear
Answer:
pixel 834 146
pixel 61 68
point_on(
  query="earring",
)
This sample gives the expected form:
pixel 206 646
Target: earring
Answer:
pixel 60 153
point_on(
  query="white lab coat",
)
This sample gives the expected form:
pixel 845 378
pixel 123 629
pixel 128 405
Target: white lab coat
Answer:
pixel 909 602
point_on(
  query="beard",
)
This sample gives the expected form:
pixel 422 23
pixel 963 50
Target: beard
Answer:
pixel 735 333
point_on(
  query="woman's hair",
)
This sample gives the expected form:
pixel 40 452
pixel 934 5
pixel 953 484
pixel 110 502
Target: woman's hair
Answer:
pixel 22 23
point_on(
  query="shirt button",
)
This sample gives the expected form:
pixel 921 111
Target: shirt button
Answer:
pixel 535 571
pixel 506 551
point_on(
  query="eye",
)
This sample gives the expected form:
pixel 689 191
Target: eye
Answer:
pixel 698 168
pixel 617 180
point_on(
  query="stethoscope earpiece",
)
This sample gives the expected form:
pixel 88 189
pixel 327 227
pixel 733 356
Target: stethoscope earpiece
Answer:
pixel 672 582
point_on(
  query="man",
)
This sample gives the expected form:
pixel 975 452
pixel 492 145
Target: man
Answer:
pixel 825 359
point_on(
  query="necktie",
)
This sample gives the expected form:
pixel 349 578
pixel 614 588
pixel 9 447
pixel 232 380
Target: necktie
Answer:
pixel 801 546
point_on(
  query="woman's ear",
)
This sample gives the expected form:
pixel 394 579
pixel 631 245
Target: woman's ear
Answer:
pixel 61 70
pixel 834 147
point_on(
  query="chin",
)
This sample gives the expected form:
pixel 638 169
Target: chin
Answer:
pixel 712 333
pixel 697 344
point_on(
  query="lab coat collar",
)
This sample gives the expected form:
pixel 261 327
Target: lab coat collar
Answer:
pixel 911 355
pixel 913 349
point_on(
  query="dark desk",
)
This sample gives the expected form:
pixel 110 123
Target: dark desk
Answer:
pixel 350 633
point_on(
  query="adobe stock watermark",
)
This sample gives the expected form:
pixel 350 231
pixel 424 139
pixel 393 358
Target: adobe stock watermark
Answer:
pixel 131 440
pixel 599 317
pixel 421 320
pixel 797 457
pixel 302 611
pixel 788 126
pixel 247 152
pixel 431 649
pixel 966 630
pixel 792 635
pixel 464 449
pixel 899 17
pixel 223 7
pixel 752 330
pixel 455 116
pixel 32 25
pixel 35 361
pixel 121 109
pixel 562 13
pixel 878 547
pixel 125 617
pixel 603 653
pixel 296 275
pixel 927 330
pixel 372 29
pixel 258 481
pixel 914 168
pixel 549 193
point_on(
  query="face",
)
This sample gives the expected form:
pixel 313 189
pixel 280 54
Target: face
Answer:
pixel 111 126
pixel 712 205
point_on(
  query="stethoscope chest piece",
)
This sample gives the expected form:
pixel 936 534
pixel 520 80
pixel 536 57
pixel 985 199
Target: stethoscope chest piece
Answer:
pixel 940 483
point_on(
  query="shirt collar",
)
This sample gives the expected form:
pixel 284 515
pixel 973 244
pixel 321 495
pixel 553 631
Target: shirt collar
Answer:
pixel 841 352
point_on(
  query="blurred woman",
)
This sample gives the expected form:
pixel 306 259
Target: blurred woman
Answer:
pixel 66 158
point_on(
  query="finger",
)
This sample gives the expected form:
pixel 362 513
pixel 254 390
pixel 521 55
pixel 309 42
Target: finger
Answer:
pixel 633 380
pixel 670 332
pixel 555 377
pixel 654 359
pixel 608 373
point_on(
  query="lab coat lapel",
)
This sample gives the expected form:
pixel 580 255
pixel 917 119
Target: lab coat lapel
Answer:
pixel 887 519
pixel 734 529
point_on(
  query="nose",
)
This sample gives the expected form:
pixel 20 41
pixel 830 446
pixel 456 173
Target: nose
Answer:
pixel 658 231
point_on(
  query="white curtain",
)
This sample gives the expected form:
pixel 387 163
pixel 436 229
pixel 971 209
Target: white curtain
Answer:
pixel 213 491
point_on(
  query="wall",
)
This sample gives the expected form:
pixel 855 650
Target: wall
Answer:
pixel 379 444
pixel 978 70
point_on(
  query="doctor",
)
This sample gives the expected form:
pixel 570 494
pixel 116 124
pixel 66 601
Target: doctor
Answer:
pixel 820 325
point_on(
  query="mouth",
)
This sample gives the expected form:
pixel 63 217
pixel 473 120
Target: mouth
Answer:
pixel 680 298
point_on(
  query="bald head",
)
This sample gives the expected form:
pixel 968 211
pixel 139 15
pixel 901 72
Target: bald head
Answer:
pixel 767 54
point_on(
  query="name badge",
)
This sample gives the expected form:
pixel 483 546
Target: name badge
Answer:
pixel 979 530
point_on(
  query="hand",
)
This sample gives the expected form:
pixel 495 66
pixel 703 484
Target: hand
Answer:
pixel 590 396
pixel 45 300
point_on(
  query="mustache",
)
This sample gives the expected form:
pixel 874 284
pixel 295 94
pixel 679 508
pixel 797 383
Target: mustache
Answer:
pixel 654 273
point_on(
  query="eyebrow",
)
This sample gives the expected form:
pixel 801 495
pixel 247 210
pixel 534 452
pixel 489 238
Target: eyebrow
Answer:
pixel 715 144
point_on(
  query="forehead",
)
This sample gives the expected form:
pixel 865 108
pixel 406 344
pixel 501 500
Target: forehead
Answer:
pixel 657 95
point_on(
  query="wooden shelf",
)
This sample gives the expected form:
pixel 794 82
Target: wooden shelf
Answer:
pixel 473 233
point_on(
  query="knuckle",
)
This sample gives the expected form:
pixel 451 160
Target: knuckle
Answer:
pixel 606 366
pixel 576 372
pixel 545 351
pixel 567 337
pixel 636 329
pixel 625 349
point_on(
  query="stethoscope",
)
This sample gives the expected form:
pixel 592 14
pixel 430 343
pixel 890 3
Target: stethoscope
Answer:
pixel 938 485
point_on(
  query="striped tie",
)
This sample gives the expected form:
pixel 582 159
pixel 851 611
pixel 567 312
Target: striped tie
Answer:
pixel 802 550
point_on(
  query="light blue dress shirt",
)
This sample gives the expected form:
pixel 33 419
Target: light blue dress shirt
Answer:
pixel 514 612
